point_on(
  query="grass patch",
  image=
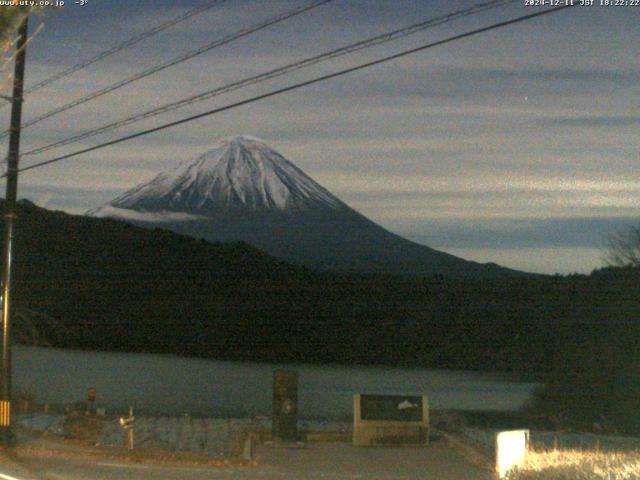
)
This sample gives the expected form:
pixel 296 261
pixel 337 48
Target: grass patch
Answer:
pixel 578 465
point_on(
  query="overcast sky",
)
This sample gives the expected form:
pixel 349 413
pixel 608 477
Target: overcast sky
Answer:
pixel 518 146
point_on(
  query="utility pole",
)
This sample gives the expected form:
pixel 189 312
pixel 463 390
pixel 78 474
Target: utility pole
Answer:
pixel 6 435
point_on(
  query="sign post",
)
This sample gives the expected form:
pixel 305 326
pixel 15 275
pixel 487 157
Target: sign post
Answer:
pixel 127 423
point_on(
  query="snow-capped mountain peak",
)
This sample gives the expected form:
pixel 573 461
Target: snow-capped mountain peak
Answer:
pixel 240 172
pixel 243 190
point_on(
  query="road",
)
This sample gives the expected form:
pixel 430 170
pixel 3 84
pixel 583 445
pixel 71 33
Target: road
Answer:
pixel 335 461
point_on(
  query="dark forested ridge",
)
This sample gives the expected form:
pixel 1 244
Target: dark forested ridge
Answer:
pixel 113 286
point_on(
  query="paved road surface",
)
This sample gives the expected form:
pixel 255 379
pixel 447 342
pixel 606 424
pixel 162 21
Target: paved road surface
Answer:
pixel 334 461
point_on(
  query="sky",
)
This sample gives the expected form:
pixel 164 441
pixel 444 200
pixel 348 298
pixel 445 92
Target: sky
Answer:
pixel 518 146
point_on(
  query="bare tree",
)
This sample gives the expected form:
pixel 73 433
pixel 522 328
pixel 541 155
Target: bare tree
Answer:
pixel 10 19
pixel 624 248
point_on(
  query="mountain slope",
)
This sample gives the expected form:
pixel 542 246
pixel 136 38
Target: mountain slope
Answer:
pixel 243 190
pixel 104 284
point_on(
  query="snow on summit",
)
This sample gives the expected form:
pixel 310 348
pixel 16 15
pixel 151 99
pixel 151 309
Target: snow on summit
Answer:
pixel 237 173
pixel 243 190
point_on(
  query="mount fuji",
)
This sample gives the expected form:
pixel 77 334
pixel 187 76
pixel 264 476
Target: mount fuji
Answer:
pixel 242 189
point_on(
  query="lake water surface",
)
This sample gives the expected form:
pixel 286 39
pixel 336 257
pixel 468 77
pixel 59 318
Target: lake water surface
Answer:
pixel 172 385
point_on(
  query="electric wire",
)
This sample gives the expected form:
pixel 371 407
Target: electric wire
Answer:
pixel 297 86
pixel 368 43
pixel 124 45
pixel 181 58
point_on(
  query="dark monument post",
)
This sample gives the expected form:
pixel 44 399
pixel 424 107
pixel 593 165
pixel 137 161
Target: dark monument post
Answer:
pixel 91 400
pixel 285 406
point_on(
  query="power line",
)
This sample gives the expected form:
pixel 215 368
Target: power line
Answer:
pixel 187 56
pixel 126 44
pixel 368 43
pixel 297 86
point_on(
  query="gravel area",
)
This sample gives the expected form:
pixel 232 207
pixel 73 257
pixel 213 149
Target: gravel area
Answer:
pixel 42 423
pixel 209 436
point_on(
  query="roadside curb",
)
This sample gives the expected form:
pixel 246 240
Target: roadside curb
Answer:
pixel 469 450
pixel 12 468
pixel 156 457
pixel 307 436
pixel 329 436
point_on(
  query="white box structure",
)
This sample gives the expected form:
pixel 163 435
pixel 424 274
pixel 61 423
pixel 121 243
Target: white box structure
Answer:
pixel 511 450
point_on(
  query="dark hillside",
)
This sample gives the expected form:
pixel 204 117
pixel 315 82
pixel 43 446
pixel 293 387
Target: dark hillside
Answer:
pixel 118 287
